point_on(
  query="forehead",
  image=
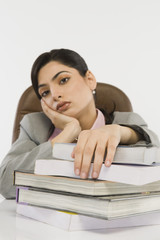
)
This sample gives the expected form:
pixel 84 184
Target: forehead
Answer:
pixel 52 68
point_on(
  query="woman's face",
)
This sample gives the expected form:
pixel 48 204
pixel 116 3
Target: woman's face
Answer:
pixel 65 90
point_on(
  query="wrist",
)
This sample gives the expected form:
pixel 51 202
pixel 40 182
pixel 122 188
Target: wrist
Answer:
pixel 74 127
pixel 69 133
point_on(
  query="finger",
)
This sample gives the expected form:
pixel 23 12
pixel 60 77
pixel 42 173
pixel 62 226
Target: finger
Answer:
pixel 45 107
pixel 45 103
pixel 98 158
pixel 73 153
pixel 42 103
pixel 87 157
pixel 111 149
pixel 78 151
pixel 50 113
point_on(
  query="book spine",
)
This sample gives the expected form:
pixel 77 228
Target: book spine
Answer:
pixel 17 195
pixel 14 177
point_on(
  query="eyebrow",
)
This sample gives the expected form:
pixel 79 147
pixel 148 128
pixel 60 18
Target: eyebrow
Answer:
pixel 53 78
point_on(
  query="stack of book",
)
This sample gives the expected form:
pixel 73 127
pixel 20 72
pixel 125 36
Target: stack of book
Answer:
pixel 124 195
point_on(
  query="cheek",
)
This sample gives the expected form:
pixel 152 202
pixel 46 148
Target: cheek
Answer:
pixel 80 92
pixel 83 98
pixel 75 92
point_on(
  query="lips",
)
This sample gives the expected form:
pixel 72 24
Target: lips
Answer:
pixel 63 106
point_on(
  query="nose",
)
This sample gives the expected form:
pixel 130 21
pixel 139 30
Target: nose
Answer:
pixel 55 93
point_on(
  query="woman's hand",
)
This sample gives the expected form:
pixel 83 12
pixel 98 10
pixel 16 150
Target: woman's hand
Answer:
pixel 58 119
pixel 95 142
pixel 70 126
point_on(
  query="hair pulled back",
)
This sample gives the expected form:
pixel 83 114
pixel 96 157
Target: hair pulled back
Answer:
pixel 64 56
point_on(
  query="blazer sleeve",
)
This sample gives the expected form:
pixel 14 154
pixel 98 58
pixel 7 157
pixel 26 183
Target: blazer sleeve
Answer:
pixel 136 122
pixel 22 155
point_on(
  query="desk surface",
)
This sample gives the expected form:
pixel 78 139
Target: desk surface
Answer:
pixel 14 226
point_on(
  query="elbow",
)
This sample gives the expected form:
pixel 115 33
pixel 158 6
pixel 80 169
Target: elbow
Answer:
pixel 7 189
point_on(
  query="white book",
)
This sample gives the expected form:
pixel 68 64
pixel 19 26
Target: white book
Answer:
pixel 75 222
pixel 132 165
pixel 129 174
pixel 124 154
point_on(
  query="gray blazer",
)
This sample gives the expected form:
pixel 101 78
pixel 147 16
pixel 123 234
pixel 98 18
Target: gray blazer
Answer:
pixel 33 144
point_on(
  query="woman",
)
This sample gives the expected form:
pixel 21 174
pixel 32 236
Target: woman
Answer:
pixel 65 86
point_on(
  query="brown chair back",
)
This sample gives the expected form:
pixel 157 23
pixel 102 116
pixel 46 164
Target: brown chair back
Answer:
pixel 108 97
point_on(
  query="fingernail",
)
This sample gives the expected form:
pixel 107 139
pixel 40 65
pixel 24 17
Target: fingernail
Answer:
pixel 55 105
pixel 83 175
pixel 95 175
pixel 77 172
pixel 107 164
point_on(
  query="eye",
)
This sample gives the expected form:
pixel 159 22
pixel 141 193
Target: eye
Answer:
pixel 64 80
pixel 44 94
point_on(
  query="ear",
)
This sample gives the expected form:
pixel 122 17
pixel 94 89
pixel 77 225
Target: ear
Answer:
pixel 90 80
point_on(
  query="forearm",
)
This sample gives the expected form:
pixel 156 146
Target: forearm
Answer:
pixel 136 122
pixel 129 136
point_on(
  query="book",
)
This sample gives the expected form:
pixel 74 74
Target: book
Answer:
pixel 60 219
pixel 76 222
pixel 128 174
pixel 124 154
pixel 106 207
pixel 80 186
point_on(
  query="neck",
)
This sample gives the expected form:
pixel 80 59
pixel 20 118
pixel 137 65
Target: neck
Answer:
pixel 88 117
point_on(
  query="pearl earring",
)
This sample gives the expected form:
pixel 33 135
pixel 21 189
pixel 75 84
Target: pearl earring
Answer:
pixel 94 92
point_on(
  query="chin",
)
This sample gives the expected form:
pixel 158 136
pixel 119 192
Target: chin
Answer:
pixel 71 114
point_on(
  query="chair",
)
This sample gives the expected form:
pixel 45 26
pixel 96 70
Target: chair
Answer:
pixel 108 97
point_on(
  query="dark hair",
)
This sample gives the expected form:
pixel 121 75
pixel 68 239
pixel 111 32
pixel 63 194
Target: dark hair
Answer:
pixel 64 56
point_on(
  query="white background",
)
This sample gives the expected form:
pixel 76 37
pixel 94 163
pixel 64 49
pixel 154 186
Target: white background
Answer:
pixel 119 39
